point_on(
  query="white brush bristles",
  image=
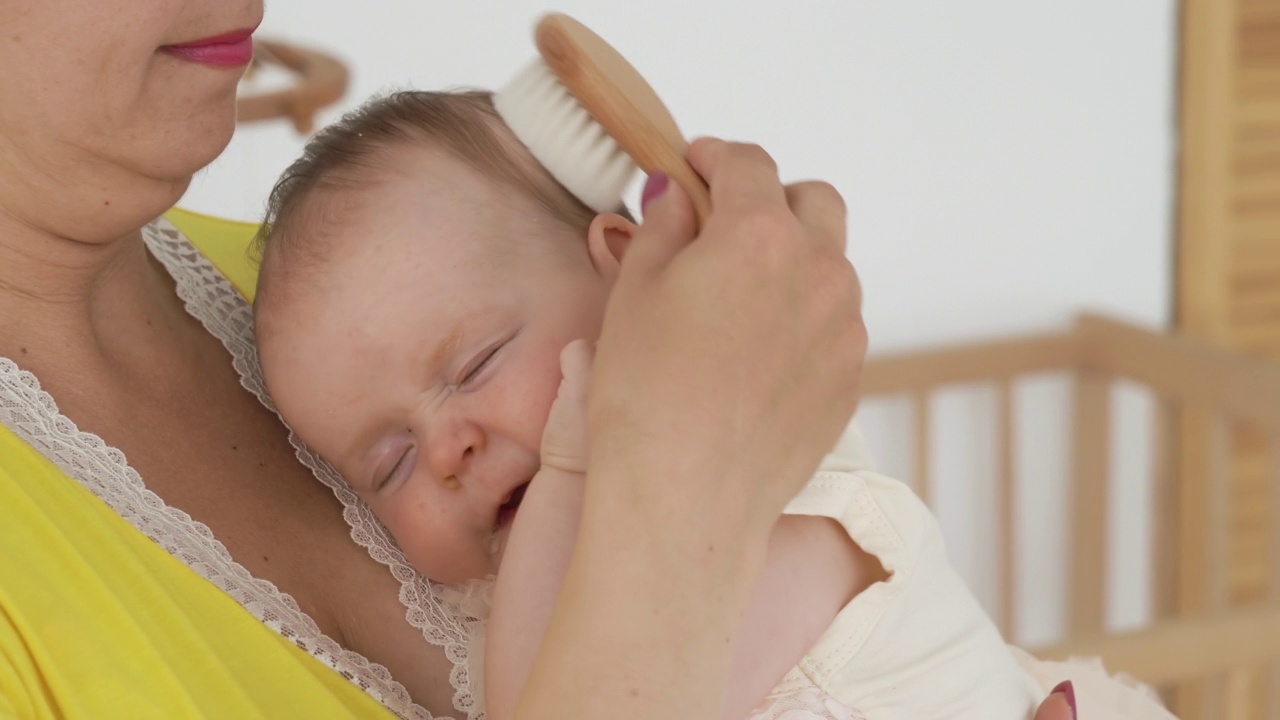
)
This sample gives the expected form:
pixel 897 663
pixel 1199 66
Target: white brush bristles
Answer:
pixel 560 134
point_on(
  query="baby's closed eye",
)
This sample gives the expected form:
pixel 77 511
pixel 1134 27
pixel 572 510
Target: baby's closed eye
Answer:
pixel 395 460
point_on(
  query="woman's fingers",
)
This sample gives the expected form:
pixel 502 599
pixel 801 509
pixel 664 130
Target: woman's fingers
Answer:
pixel 822 211
pixel 1060 705
pixel 735 356
pixel 670 224
pixel 740 176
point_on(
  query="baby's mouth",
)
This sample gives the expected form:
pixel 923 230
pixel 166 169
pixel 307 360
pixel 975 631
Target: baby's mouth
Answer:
pixel 507 510
pixel 503 518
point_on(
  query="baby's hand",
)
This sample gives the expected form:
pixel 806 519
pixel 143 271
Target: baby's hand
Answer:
pixel 564 440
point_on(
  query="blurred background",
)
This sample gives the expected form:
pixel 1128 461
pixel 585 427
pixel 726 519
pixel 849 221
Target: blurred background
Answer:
pixel 1008 166
pixel 1005 163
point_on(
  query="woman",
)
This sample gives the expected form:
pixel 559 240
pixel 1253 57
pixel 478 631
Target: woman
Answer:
pixel 181 562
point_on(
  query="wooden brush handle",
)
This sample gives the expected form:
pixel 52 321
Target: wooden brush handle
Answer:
pixel 618 98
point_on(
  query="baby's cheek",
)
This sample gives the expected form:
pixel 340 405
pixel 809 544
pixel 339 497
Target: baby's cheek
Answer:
pixel 532 399
pixel 434 542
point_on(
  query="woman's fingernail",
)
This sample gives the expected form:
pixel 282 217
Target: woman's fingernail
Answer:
pixel 1066 688
pixel 653 187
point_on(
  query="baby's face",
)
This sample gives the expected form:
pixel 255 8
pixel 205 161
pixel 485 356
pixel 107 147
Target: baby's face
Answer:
pixel 422 358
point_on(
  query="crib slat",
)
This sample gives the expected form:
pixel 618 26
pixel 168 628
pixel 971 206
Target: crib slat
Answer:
pixel 1191 695
pixel 1090 502
pixel 1182 649
pixel 1271 692
pixel 1217 549
pixel 920 413
pixel 1275 520
pixel 1204 504
pixel 1008 503
pixel 1225 696
pixel 1164 515
pixel 1271 696
pixel 1209 699
pixel 1237 695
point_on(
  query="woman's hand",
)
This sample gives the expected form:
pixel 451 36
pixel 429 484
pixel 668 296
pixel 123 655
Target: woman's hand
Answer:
pixel 733 358
pixel 727 368
pixel 1060 705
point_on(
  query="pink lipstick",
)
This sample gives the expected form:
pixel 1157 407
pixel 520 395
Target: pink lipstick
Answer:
pixel 233 49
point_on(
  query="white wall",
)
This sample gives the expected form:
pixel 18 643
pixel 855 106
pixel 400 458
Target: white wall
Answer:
pixel 1006 163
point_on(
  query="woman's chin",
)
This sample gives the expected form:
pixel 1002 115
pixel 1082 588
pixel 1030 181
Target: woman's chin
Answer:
pixel 181 161
pixel 189 138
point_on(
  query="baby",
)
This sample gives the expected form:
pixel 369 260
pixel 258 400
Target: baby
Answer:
pixel 423 281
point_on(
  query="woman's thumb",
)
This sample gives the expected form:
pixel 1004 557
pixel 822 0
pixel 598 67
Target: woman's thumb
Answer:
pixel 669 224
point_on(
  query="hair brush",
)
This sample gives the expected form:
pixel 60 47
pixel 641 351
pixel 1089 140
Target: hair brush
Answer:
pixel 590 119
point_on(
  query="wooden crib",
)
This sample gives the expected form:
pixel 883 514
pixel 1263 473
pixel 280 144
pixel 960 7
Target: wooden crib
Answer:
pixel 1221 658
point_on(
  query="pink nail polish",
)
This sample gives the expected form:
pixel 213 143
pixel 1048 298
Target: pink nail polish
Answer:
pixel 1066 688
pixel 653 187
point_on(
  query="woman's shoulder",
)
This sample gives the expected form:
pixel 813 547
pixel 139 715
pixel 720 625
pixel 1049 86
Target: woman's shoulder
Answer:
pixel 227 244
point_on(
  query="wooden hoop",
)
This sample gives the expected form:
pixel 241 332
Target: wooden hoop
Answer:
pixel 322 80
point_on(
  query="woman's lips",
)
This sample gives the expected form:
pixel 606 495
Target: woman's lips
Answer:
pixel 233 49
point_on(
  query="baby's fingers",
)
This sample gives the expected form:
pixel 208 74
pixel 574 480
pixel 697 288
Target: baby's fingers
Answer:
pixel 575 367
pixel 564 441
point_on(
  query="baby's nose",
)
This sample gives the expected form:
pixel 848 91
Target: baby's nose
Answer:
pixel 453 448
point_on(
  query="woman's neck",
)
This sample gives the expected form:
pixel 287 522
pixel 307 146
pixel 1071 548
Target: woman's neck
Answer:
pixel 72 305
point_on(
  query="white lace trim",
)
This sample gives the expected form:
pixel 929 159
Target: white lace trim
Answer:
pixel 225 313
pixel 209 297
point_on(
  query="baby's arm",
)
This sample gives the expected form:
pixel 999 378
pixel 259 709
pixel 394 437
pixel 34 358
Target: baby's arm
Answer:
pixel 813 569
pixel 534 565
pixel 537 551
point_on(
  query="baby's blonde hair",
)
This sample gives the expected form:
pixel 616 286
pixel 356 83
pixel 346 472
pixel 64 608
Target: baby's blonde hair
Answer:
pixel 349 155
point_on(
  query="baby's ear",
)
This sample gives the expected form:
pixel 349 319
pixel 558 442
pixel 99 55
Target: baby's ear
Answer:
pixel 607 241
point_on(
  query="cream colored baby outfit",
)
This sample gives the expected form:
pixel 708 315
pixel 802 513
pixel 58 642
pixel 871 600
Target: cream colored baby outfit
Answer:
pixel 918 646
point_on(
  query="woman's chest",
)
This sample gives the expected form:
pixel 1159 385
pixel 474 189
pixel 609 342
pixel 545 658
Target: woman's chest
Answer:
pixel 215 453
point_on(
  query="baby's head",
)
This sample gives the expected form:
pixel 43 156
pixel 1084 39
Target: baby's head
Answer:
pixel 419 276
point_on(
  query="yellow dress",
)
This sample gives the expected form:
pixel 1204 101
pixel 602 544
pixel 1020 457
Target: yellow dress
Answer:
pixel 99 621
